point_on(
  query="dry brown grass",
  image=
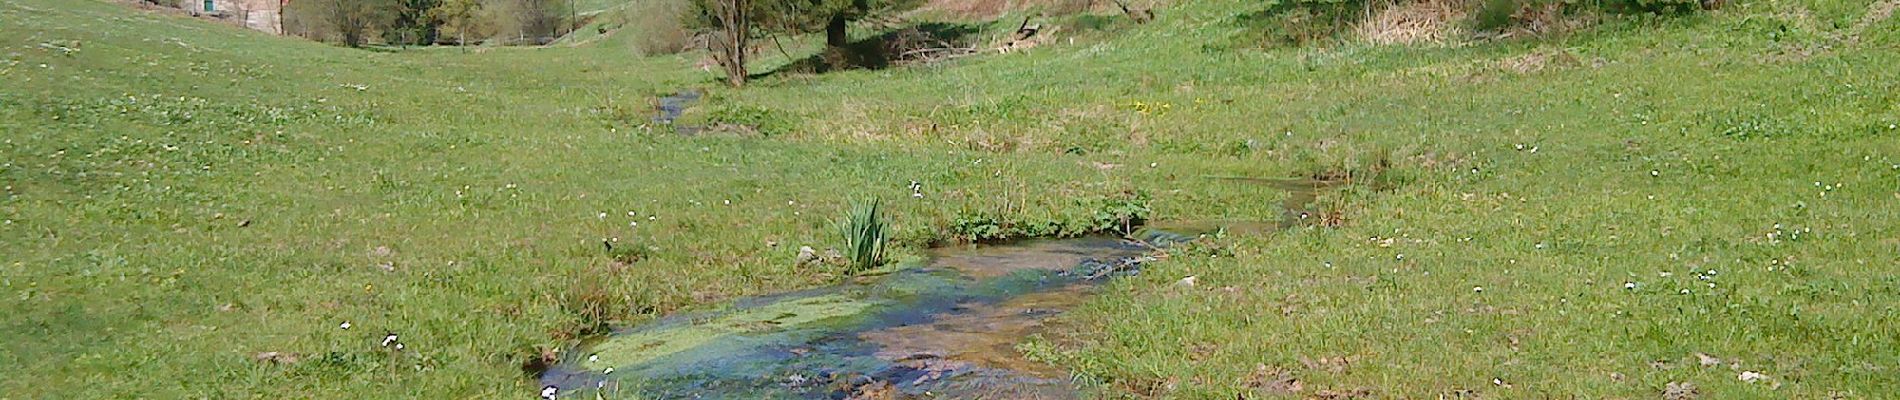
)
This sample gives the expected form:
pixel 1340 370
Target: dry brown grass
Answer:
pixel 1413 22
pixel 1876 13
pixel 659 26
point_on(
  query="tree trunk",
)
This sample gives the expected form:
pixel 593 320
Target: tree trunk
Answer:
pixel 732 38
pixel 835 34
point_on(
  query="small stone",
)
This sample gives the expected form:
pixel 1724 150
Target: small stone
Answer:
pixel 1751 376
pixel 806 255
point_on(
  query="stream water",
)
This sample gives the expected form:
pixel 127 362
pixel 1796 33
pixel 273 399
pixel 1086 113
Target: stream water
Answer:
pixel 671 107
pixel 947 327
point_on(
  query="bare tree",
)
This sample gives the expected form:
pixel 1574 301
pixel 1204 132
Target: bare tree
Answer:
pixel 536 21
pixel 347 21
pixel 730 42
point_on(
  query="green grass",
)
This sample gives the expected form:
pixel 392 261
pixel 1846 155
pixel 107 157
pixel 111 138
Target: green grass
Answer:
pixel 181 196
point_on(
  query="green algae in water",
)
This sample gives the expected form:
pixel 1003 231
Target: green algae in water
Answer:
pixel 926 329
pixel 645 346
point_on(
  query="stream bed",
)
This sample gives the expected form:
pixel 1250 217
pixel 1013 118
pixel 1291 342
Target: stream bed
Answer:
pixel 946 327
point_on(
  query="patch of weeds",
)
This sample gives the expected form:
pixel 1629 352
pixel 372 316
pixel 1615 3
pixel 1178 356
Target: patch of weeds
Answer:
pixel 1120 213
pixel 1374 167
pixel 978 227
pixel 625 254
pixel 597 296
pixel 1741 125
pixel 617 114
pixel 864 231
pixel 764 120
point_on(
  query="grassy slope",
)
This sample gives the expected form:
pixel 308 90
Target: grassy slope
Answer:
pixel 126 272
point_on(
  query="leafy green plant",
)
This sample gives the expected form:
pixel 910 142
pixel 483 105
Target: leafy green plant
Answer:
pixel 864 231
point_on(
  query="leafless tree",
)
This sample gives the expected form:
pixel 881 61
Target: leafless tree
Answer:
pixel 730 42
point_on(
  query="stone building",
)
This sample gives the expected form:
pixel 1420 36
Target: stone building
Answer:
pixel 263 15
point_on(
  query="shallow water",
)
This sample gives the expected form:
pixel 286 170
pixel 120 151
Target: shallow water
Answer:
pixel 671 107
pixel 946 328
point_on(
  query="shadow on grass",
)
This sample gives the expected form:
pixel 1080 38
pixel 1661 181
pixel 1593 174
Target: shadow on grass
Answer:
pixel 882 51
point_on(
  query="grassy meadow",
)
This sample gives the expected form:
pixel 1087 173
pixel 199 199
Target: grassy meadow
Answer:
pixel 1573 216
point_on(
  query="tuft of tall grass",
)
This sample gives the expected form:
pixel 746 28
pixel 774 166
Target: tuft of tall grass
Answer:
pixel 864 231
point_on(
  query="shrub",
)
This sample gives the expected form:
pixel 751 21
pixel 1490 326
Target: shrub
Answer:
pixel 1299 22
pixel 864 233
pixel 658 26
pixel 1493 15
pixel 1544 16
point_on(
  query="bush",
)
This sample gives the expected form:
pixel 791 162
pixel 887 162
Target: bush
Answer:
pixel 1299 22
pixel 1494 15
pixel 1544 16
pixel 658 26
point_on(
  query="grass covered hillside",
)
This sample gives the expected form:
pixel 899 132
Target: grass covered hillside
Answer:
pixel 1624 209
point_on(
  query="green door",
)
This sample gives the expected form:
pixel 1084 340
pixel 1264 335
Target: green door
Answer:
pixel 211 5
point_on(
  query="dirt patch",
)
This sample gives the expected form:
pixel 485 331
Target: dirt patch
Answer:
pixel 1343 394
pixel 1679 391
pixel 1272 381
pixel 1413 22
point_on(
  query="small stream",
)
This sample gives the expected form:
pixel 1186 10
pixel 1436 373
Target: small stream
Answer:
pixel 945 328
pixel 671 107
